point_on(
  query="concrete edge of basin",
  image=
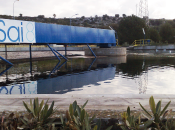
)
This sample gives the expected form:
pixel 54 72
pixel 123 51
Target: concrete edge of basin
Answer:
pixel 120 51
pixel 95 102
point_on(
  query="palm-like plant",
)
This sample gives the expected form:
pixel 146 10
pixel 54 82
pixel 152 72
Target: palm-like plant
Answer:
pixel 39 113
pixel 78 119
pixel 130 121
pixel 155 118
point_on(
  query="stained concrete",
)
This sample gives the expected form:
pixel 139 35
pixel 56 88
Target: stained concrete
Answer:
pixel 36 54
pixel 95 102
pixel 167 47
pixel 16 48
pixel 118 51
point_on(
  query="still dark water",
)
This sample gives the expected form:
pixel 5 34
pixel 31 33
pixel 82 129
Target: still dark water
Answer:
pixel 136 73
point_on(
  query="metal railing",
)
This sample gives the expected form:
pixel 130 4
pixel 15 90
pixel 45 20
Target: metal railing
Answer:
pixel 116 42
pixel 142 42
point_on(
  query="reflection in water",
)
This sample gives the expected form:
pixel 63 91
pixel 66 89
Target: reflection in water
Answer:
pixel 5 70
pixel 60 79
pixel 92 63
pixel 57 67
pixel 26 88
pixel 110 75
pixel 69 82
pixel 141 68
pixel 142 80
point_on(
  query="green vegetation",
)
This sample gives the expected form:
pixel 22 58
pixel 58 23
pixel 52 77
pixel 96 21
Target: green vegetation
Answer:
pixel 154 35
pixel 78 119
pixel 167 33
pixel 37 118
pixel 155 121
pixel 130 121
pixel 156 118
pixel 40 117
pixel 160 31
pixel 39 114
pixel 130 29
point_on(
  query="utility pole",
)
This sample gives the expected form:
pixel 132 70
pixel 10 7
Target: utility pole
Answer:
pixel 14 8
pixel 136 9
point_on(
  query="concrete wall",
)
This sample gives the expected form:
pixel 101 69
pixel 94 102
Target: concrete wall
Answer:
pixel 167 47
pixel 42 48
pixel 106 51
pixel 37 52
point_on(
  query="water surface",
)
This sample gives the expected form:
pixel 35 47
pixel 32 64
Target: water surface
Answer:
pixel 136 73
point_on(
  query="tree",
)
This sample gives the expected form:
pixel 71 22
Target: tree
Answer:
pixel 96 18
pixel 130 29
pixel 54 15
pixel 105 17
pixel 20 15
pixel 154 35
pixel 124 15
pixel 166 33
pixel 117 15
pixel 156 22
pixel 40 16
pixel 83 17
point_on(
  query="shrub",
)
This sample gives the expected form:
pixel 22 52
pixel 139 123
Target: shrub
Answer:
pixel 155 119
pixel 39 114
pixel 78 119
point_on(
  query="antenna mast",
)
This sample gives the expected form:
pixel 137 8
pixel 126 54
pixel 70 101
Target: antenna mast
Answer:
pixel 143 11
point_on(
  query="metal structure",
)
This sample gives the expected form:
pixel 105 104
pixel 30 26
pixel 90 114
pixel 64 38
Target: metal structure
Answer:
pixel 27 32
pixel 71 18
pixel 6 61
pixel 5 70
pixel 14 8
pixel 143 10
pixel 55 51
pixel 142 42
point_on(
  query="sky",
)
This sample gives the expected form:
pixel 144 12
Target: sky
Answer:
pixel 68 8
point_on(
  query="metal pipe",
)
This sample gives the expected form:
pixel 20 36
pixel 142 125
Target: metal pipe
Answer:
pixel 6 61
pixel 5 51
pixel 53 52
pixel 30 49
pixel 65 50
pixel 7 68
pixel 91 50
pixel 71 17
pixel 59 54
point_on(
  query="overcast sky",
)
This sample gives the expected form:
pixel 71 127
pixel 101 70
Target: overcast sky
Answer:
pixel 67 8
